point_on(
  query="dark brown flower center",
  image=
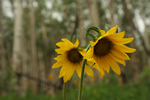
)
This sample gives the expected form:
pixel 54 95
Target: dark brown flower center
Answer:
pixel 102 47
pixel 74 56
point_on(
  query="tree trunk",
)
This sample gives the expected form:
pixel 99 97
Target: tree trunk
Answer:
pixel 34 66
pixel 12 5
pixel 16 61
pixel 111 9
pixel 94 18
pixel 41 69
pixel 17 42
pixel 146 37
pixel 47 55
pixel 24 67
pixel 94 15
pixel 81 24
pixel 134 56
pixel 2 48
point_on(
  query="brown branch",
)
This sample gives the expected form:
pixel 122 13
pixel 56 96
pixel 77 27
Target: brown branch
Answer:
pixel 19 75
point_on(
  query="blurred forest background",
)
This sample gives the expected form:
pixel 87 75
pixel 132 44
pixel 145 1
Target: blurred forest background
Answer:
pixel 30 29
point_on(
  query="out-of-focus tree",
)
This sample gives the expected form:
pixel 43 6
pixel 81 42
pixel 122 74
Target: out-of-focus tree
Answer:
pixel 2 48
pixel 34 65
pixel 81 24
pixel 94 12
pixel 17 42
pixel 111 9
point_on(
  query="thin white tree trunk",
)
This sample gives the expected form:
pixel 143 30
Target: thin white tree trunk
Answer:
pixel 17 42
pixel 16 57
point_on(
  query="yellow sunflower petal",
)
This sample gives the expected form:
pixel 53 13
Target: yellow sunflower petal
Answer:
pixel 117 35
pixel 117 59
pixel 92 43
pixel 57 64
pixel 101 74
pixel 120 54
pixel 60 51
pixel 65 68
pixel 67 42
pixel 89 54
pixel 112 30
pixel 96 66
pixel 90 61
pixel 122 41
pixel 89 71
pixel 125 48
pixel 69 73
pixel 62 45
pixel 77 43
pixel 105 64
pixel 78 70
pixel 82 52
pixel 102 32
pixel 60 57
pixel 63 71
pixel 99 65
pixel 115 67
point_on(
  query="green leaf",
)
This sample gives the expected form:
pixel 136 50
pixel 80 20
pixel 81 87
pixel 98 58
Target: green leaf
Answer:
pixel 117 30
pixel 93 28
pixel 81 48
pixel 57 47
pixel 73 39
pixel 108 26
pixel 91 35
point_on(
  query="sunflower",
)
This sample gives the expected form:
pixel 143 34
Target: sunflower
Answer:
pixel 70 59
pixel 109 49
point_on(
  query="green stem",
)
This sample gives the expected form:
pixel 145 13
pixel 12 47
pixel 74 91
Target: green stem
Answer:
pixel 81 80
pixel 82 74
pixel 64 91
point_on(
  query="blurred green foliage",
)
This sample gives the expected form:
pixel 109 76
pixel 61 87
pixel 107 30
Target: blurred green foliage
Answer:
pixel 107 89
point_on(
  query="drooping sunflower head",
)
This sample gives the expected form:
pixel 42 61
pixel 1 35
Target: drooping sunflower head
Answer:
pixel 106 44
pixel 109 49
pixel 70 59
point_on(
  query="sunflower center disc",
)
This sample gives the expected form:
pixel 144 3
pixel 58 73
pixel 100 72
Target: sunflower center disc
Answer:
pixel 102 47
pixel 74 56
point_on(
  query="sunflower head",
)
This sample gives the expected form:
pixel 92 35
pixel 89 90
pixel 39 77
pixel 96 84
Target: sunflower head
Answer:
pixel 70 59
pixel 74 56
pixel 109 49
pixel 106 44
